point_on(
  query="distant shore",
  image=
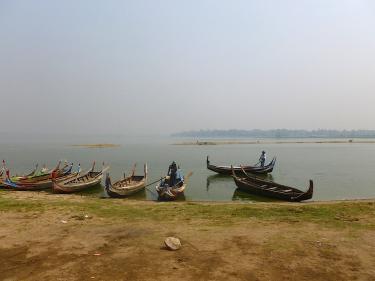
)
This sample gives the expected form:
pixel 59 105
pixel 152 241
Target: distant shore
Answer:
pixel 228 142
pixel 96 145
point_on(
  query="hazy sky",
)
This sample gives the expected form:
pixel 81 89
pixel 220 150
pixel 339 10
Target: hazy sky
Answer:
pixel 164 66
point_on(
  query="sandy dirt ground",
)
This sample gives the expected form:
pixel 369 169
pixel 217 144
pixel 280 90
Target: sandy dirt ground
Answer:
pixel 60 243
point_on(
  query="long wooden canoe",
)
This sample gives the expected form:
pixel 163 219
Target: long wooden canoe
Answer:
pixel 126 186
pixel 227 170
pixel 43 174
pixel 80 182
pixel 3 176
pixel 270 189
pixel 38 185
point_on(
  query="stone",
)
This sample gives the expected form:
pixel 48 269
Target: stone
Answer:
pixel 172 243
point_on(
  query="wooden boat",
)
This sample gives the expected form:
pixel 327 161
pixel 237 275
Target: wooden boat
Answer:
pixel 126 186
pixel 80 182
pixel 33 172
pixel 32 184
pixel 36 181
pixel 227 170
pixel 4 168
pixel 270 189
pixel 38 185
pixel 169 193
pixel 43 174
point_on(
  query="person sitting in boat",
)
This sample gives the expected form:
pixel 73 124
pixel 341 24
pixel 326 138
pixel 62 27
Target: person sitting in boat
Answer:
pixel 172 170
pixel 108 183
pixel 262 158
pixel 43 170
pixel 67 168
pixel 179 175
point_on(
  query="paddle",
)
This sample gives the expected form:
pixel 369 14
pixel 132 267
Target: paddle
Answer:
pixel 246 174
pixel 155 181
pixel 187 178
pixel 152 192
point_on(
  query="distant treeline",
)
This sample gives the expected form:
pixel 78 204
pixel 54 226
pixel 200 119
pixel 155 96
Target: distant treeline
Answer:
pixel 277 133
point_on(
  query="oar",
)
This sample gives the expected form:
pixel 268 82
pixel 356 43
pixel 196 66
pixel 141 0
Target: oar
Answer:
pixel 187 178
pixel 155 181
pixel 152 192
pixel 246 174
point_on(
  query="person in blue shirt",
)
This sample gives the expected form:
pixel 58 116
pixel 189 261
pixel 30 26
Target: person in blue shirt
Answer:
pixel 262 158
pixel 179 175
pixel 172 173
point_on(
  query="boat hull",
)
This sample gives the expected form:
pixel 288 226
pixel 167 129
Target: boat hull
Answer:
pixel 132 188
pixel 273 190
pixel 170 194
pixel 227 170
pixel 79 183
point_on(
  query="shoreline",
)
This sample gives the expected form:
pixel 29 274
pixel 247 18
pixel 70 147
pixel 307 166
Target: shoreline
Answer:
pixel 96 145
pixel 275 142
pixel 42 195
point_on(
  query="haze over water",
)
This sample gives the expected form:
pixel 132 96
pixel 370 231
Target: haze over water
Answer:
pixel 158 67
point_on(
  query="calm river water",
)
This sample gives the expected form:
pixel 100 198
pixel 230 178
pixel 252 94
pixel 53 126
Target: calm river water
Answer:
pixel 339 171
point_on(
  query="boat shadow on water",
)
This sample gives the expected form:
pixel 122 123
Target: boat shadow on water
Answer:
pixel 218 178
pixel 140 195
pixel 239 195
pixel 179 198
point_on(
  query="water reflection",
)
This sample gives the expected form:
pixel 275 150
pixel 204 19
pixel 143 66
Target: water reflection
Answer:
pixel 219 181
pixel 240 195
pixel 180 197
pixel 217 178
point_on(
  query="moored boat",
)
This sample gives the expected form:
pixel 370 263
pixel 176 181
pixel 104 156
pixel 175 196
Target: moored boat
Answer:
pixel 42 174
pixel 126 186
pixel 262 187
pixel 169 193
pixel 4 174
pixel 173 185
pixel 80 182
pixel 34 186
pixel 227 170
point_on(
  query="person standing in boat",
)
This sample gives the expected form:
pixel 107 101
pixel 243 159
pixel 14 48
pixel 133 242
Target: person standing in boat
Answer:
pixel 262 158
pixel 172 170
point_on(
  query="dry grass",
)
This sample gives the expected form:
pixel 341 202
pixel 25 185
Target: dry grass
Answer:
pixel 58 237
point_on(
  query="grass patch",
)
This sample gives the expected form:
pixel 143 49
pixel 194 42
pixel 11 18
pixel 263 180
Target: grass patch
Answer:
pixel 339 214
